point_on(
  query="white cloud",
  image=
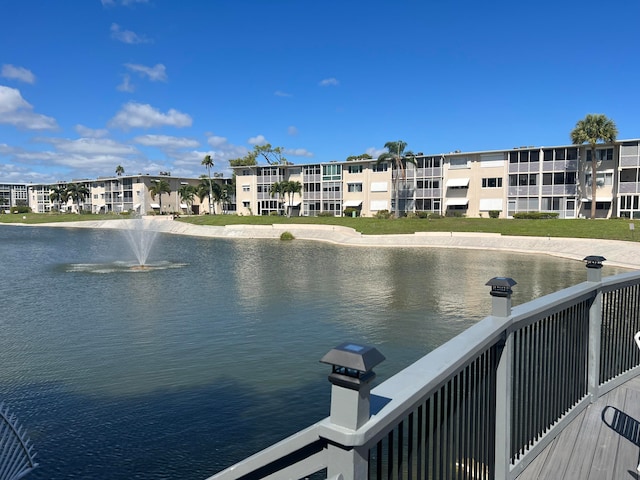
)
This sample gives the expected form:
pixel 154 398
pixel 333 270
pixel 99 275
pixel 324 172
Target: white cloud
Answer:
pixel 157 73
pixel 18 73
pixel 16 111
pixel 127 36
pixel 257 140
pixel 216 141
pixel 126 85
pixel 375 152
pixel 166 141
pixel 91 146
pixel 126 3
pixel 90 132
pixel 329 82
pixel 138 115
pixel 298 152
pixel 292 130
pixel 279 93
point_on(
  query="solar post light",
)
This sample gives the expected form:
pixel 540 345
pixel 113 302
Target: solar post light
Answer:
pixel 351 376
pixel 501 295
pixel 594 267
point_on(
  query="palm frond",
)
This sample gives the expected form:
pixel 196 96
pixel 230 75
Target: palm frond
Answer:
pixel 16 452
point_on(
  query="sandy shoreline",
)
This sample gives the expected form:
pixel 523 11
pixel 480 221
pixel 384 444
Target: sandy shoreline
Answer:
pixel 618 253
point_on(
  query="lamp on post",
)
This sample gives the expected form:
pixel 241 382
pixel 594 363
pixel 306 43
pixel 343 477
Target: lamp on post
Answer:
pixel 351 376
pixel 594 267
pixel 501 295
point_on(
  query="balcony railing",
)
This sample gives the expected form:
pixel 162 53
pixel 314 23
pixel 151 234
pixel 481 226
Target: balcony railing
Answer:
pixel 484 404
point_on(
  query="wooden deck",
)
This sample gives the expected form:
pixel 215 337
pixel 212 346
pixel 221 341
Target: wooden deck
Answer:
pixel 602 443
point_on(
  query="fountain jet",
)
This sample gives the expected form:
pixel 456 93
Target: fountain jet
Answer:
pixel 140 236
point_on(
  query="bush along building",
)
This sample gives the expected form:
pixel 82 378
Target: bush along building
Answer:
pixel 503 183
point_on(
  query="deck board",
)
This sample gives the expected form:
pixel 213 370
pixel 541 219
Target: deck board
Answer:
pixel 603 442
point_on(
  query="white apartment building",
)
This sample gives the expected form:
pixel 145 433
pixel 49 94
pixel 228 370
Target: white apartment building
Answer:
pixel 545 179
pixel 126 193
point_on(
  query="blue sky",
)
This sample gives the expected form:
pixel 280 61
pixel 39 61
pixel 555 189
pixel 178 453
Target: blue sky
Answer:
pixel 154 85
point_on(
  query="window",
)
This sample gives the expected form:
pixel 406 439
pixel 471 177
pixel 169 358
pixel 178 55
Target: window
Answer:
pixel 629 175
pixel 492 182
pixel 459 162
pixel 428 183
pixel 601 154
pixel 380 167
pixel 354 187
pixel 246 188
pixel 331 172
pixel 523 179
pixel 428 162
pixel 312 170
pixel 355 168
pixel 602 179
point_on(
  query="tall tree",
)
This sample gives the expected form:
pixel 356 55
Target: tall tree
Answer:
pixel 362 156
pixel 208 163
pixel 119 170
pixel 187 193
pixel 277 189
pixel 58 195
pixel 77 192
pixel 158 187
pixel 399 159
pixel 592 129
pixel 272 155
pixel 291 188
pixel 248 160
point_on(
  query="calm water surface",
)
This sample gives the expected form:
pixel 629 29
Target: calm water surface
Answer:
pixel 181 371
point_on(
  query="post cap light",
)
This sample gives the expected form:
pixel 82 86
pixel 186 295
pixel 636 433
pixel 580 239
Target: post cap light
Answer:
pixel 594 261
pixel 501 286
pixel 352 364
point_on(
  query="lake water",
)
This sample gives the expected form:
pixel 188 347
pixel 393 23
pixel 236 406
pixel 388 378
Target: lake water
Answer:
pixel 181 371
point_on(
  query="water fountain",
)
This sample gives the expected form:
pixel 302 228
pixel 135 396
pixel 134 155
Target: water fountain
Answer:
pixel 141 238
pixel 140 235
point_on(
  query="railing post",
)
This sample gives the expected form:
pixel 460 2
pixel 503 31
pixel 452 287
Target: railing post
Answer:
pixel 501 307
pixel 594 274
pixel 351 376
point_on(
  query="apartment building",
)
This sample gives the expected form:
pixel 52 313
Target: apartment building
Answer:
pixel 13 194
pixel 525 179
pixel 126 193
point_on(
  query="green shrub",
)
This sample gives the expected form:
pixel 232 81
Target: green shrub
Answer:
pixel 383 214
pixel 286 236
pixel 20 209
pixel 274 214
pixel 456 213
pixel 535 215
pixel 326 214
pixel 494 213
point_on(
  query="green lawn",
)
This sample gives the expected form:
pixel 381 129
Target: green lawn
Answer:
pixel 615 229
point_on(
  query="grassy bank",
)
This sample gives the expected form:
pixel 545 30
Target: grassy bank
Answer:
pixel 615 229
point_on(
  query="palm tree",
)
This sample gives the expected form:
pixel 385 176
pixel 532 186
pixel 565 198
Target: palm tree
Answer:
pixel 277 188
pixel 399 159
pixel 208 163
pixel 159 187
pixel 119 170
pixel 592 129
pixel 187 194
pixel 77 192
pixel 291 188
pixel 58 195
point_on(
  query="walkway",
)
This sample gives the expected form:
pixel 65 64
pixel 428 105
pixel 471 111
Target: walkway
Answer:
pixel 602 443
